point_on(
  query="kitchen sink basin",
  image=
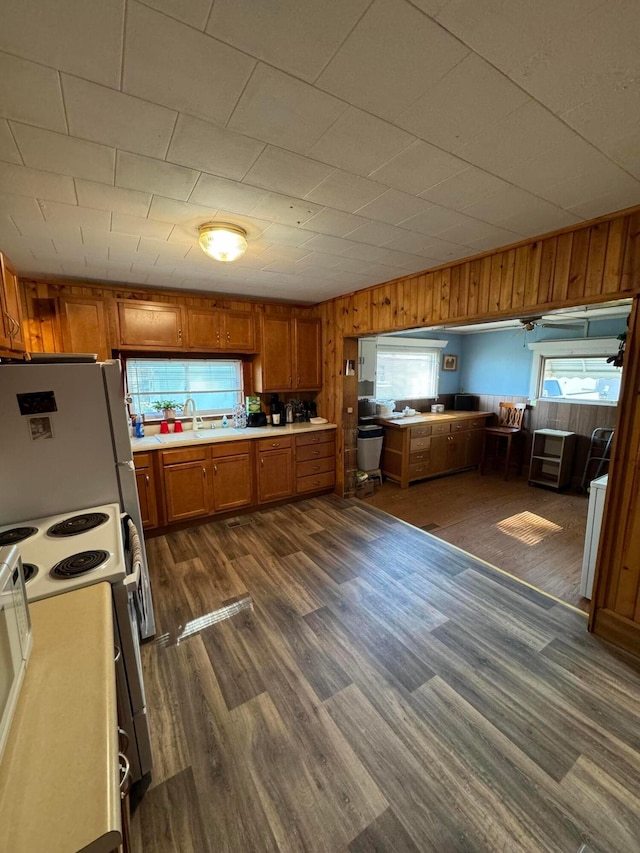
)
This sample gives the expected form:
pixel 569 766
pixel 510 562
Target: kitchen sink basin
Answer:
pixel 190 435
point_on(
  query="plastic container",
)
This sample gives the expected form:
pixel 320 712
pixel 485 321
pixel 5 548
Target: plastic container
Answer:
pixel 370 440
pixel 139 427
pixel 384 408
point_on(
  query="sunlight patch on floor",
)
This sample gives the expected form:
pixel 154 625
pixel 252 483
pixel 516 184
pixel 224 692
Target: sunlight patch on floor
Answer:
pixel 527 527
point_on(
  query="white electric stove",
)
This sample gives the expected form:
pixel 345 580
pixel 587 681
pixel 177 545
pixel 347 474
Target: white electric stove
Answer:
pixel 68 551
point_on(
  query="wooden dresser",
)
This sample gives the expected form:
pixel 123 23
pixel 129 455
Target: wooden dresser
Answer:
pixel 429 445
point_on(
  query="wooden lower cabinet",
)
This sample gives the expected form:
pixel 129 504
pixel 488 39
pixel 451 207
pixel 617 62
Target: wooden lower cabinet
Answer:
pixel 416 452
pixel 195 482
pixel 275 469
pixel 232 479
pixel 315 461
pixel 187 490
pixel 146 482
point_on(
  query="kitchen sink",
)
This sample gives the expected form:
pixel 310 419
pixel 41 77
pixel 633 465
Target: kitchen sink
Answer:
pixel 176 437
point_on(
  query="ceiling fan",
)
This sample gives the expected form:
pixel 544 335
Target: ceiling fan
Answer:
pixel 530 323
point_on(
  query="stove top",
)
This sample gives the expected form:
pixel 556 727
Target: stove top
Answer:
pixel 68 551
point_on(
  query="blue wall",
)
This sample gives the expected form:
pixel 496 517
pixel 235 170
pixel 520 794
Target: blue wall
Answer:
pixel 500 362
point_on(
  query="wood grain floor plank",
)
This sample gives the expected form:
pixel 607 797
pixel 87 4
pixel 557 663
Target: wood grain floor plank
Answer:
pixel 173 818
pixel 386 692
pixel 384 835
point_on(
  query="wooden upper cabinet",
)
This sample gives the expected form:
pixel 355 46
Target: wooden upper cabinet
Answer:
pixel 11 334
pixel 274 367
pixel 290 356
pixel 308 354
pixel 220 330
pixel 83 323
pixel 153 325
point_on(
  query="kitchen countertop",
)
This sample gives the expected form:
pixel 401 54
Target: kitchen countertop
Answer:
pixel 209 436
pixel 421 418
pixel 59 773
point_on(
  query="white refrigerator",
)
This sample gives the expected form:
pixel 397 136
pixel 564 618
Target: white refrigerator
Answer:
pixel 65 446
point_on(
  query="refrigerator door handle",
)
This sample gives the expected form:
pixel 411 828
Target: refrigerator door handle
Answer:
pixel 128 464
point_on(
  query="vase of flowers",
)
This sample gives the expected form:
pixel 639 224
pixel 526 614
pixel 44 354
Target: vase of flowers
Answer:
pixel 167 407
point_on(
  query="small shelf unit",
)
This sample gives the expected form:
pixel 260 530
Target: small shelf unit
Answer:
pixel 551 458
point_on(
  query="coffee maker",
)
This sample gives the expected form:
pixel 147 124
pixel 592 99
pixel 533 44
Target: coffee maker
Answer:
pixel 310 409
pixel 278 411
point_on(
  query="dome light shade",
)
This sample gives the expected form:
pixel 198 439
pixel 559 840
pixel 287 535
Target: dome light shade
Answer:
pixel 222 242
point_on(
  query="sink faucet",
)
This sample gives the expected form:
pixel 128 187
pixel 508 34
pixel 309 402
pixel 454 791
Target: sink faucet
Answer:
pixel 189 408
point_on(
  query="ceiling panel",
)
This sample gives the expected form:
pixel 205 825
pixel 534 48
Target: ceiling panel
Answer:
pixel 31 93
pixel 299 36
pixel 419 52
pixel 354 141
pixel 113 118
pixel 169 63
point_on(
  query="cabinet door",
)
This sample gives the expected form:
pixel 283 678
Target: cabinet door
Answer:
pixel 187 490
pixel 203 329
pixel 238 333
pixel 150 324
pixel 83 323
pixel 367 353
pixel 474 446
pixel 12 310
pixel 456 451
pixel 275 475
pixel 232 482
pixel 308 354
pixel 438 455
pixel 147 498
pixel 276 354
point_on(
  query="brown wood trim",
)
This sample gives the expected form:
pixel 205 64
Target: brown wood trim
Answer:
pixel 617 630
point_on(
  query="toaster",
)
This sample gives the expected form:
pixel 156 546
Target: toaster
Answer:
pixel 256 419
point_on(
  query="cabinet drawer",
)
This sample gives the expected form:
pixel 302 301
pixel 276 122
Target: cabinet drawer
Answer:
pixel 477 423
pixel 317 437
pixel 315 451
pixel 230 448
pixel 417 471
pixel 417 458
pixel 441 429
pixel 419 444
pixel 315 482
pixel 460 426
pixel 142 460
pixel 187 454
pixel 420 431
pixel 315 466
pixel 275 443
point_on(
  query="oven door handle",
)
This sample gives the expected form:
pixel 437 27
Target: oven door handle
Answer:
pixel 132 580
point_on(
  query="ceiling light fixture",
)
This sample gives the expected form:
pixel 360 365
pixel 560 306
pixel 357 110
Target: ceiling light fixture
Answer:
pixel 222 242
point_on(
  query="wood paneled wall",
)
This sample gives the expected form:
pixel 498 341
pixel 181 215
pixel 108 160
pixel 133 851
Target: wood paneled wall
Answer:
pixel 596 262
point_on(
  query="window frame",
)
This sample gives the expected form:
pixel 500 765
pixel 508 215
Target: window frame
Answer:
pixel 183 357
pixel 583 347
pixel 392 342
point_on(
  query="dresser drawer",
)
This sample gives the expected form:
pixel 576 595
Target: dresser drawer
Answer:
pixel 275 443
pixel 315 466
pixel 420 431
pixel 477 423
pixel 417 458
pixel 142 460
pixel 187 454
pixel 315 451
pixel 316 437
pixel 460 426
pixel 441 429
pixel 417 471
pixel 419 444
pixel 315 482
pixel 230 448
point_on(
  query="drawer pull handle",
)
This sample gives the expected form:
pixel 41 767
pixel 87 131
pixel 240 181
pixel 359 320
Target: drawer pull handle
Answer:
pixel 204 473
pixel 125 772
pixel 215 469
pixel 275 444
pixel 316 467
pixel 146 479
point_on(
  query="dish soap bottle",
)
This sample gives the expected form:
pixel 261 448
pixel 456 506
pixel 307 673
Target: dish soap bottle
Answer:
pixel 225 422
pixel 139 427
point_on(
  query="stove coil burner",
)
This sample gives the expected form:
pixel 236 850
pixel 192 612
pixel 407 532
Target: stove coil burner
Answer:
pixel 16 534
pixel 76 524
pixel 29 571
pixel 79 564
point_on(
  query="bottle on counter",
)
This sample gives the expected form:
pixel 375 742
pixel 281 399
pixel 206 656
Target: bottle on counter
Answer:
pixel 139 427
pixel 225 422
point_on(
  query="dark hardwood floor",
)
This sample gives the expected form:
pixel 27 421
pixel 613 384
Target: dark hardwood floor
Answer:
pixel 534 533
pixel 327 678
